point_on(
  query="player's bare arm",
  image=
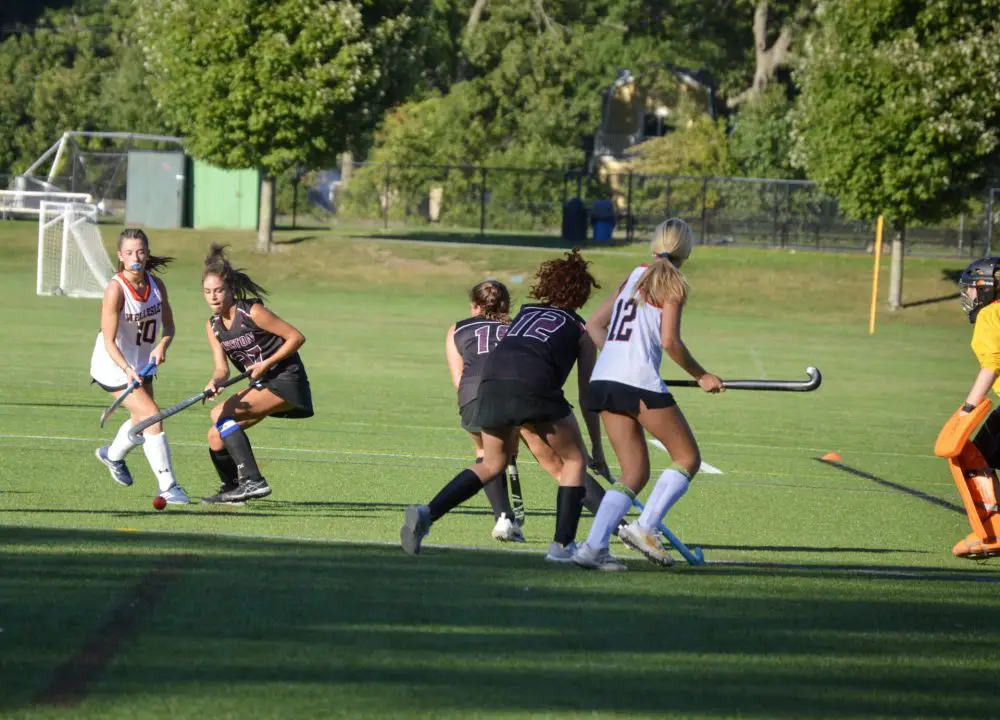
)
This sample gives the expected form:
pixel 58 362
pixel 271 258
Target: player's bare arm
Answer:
pixel 268 321
pixel 585 362
pixel 111 307
pixel 159 353
pixel 597 323
pixel 221 372
pixel 670 338
pixel 455 363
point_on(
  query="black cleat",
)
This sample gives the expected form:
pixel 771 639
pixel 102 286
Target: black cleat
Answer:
pixel 217 499
pixel 249 489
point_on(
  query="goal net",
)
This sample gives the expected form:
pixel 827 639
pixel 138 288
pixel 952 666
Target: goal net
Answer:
pixel 71 256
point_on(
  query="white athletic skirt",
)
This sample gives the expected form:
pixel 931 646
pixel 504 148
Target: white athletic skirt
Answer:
pixel 104 370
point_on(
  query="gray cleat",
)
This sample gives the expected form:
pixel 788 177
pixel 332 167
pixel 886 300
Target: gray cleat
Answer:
pixel 416 525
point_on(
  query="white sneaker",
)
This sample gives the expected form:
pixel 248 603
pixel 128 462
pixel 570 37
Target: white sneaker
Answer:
pixel 597 559
pixel 561 553
pixel 176 496
pixel 416 526
pixel 507 530
pixel 648 543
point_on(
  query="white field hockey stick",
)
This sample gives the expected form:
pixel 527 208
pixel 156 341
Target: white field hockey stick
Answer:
pixel 694 555
pixel 135 433
pixel 128 391
pixel 517 499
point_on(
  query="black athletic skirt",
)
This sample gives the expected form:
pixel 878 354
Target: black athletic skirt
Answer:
pixel 509 403
pixel 468 415
pixel 147 382
pixel 291 384
pixel 618 397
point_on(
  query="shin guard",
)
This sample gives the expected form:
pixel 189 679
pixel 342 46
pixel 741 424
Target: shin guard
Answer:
pixel 972 464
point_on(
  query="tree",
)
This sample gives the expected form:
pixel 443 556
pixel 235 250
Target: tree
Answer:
pixel 760 136
pixel 278 84
pixel 899 113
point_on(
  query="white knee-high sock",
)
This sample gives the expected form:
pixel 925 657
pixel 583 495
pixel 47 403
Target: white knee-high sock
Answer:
pixel 614 505
pixel 158 453
pixel 121 445
pixel 673 483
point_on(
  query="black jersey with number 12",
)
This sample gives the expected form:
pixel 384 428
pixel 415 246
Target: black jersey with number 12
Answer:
pixel 539 349
pixel 246 344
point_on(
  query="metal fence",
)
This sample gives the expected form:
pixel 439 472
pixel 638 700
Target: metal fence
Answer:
pixel 528 204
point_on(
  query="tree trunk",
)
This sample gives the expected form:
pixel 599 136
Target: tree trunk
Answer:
pixel 896 272
pixel 265 224
pixel 346 168
pixel 768 59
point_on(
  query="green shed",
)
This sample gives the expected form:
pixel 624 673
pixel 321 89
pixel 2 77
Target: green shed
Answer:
pixel 225 198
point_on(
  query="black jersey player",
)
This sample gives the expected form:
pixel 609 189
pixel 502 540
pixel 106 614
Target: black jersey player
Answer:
pixel 522 386
pixel 245 332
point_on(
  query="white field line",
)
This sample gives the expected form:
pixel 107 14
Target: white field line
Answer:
pixel 777 567
pixel 705 467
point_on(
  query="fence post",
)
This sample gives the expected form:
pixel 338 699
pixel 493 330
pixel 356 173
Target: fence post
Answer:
pixel 482 202
pixel 630 221
pixel 989 225
pixel 775 232
pixel 385 204
pixel 961 232
pixel 788 215
pixel 704 210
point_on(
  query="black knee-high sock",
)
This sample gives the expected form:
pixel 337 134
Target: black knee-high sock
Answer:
pixel 595 493
pixel 569 505
pixel 225 467
pixel 462 487
pixel 238 445
pixel 496 493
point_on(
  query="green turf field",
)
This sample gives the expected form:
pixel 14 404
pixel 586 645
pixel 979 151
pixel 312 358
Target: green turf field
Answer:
pixel 828 593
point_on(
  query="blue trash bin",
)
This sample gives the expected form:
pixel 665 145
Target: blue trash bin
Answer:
pixel 602 220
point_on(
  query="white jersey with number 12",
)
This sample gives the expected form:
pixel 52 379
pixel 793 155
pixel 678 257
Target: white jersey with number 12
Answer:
pixel 632 352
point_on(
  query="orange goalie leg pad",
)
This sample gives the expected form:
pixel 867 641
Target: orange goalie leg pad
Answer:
pixel 977 485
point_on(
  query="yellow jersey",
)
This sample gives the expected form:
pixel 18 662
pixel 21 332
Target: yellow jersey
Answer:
pixel 986 339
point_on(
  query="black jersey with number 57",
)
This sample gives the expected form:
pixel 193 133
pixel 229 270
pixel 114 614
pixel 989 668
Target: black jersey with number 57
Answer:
pixel 246 344
pixel 539 349
pixel 475 338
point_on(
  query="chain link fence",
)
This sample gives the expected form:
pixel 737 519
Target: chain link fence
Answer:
pixel 533 205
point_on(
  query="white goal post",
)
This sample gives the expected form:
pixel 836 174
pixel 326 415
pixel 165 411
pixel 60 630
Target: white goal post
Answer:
pixel 71 256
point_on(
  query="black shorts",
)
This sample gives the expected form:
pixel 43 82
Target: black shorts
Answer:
pixel 468 415
pixel 509 404
pixel 291 384
pixel 147 382
pixel 618 397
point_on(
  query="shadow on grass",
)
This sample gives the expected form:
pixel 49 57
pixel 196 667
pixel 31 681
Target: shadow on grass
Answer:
pixel 290 629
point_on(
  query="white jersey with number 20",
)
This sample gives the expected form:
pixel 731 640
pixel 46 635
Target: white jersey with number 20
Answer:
pixel 632 352
pixel 138 325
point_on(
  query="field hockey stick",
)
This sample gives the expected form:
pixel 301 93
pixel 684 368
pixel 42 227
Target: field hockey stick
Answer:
pixel 814 381
pixel 517 500
pixel 121 398
pixel 694 555
pixel 135 433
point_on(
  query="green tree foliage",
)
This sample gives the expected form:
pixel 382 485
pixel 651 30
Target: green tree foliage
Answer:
pixel 278 85
pixel 77 69
pixel 760 136
pixel 899 113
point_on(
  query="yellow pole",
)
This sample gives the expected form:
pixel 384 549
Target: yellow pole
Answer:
pixel 878 258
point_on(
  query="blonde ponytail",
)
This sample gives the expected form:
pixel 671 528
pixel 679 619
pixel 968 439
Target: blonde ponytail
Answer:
pixel 662 284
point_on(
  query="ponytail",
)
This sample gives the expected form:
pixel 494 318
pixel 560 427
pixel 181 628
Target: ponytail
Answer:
pixel 235 280
pixel 662 284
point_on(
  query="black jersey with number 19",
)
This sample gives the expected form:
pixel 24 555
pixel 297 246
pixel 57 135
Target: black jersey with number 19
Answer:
pixel 475 338
pixel 539 349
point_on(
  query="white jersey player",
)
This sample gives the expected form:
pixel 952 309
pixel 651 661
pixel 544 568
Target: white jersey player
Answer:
pixel 632 328
pixel 135 310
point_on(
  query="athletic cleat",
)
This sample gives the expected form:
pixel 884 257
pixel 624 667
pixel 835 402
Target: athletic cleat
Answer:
pixel 217 498
pixel 118 468
pixel 507 530
pixel 249 489
pixel 176 496
pixel 597 559
pixel 416 526
pixel 648 543
pixel 561 553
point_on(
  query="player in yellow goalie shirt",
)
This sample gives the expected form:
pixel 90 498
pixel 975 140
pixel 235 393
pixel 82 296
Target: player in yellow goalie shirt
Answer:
pixel 974 463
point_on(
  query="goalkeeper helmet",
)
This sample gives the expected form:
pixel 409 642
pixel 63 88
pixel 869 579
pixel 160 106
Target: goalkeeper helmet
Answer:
pixel 978 285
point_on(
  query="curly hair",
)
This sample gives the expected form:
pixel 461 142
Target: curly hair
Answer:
pixel 564 282
pixel 154 263
pixel 494 299
pixel 235 280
